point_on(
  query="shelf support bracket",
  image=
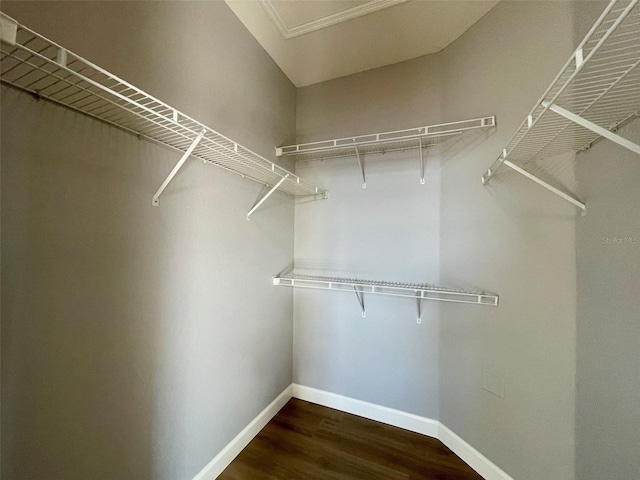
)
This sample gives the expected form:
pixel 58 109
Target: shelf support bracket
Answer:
pixel 544 184
pixel 360 297
pixel 361 164
pixel 419 307
pixel 421 163
pixel 603 132
pixel 267 195
pixel 156 197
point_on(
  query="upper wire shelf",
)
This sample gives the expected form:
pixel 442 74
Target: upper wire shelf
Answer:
pixel 418 291
pixel 32 63
pixel 412 138
pixel 597 90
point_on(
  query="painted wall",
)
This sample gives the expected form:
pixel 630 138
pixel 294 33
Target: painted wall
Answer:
pixel 608 325
pixel 138 341
pixel 388 231
pixel 512 237
pixel 153 336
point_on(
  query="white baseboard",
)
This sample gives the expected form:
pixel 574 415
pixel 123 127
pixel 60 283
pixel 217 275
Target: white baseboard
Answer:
pixel 407 421
pixel 233 449
pixel 472 457
pixel 397 418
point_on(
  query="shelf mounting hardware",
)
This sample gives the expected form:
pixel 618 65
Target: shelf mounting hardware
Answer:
pixel 595 92
pixel 267 195
pixel 383 142
pixel 360 297
pixel 361 165
pixel 544 184
pixel 156 197
pixel 34 64
pixel 421 163
pixel 416 291
pixel 603 132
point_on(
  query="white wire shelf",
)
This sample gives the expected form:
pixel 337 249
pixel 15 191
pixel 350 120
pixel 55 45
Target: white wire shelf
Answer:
pixel 597 90
pixel 32 63
pixel 418 138
pixel 382 142
pixel 418 291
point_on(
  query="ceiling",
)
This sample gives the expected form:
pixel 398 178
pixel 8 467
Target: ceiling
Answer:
pixel 317 40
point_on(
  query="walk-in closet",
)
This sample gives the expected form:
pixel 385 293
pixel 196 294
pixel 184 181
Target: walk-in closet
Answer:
pixel 320 239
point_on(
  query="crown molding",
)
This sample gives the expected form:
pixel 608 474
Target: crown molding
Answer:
pixel 324 22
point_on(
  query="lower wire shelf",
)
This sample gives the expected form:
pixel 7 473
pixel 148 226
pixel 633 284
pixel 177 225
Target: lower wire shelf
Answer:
pixel 418 291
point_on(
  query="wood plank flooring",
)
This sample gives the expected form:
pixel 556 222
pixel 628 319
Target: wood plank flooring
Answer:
pixel 307 441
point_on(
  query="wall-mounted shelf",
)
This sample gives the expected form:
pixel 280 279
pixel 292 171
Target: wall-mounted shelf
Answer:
pixel 34 64
pixel 418 138
pixel 417 291
pixel 597 90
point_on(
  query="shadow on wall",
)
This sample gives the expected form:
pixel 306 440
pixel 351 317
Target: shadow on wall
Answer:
pixel 608 320
pixel 122 353
pixel 81 298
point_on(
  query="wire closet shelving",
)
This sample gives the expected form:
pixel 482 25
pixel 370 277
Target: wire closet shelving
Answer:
pixel 597 91
pixel 418 138
pixel 32 63
pixel 418 291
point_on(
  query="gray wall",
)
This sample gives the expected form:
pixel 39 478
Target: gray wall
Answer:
pixel 388 231
pixel 608 325
pixel 513 238
pixel 138 341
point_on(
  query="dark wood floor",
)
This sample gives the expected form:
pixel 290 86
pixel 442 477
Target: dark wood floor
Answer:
pixel 307 441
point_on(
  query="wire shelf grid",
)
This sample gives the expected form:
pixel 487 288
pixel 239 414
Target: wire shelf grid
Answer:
pixel 32 63
pixel 421 291
pixel 383 142
pixel 599 83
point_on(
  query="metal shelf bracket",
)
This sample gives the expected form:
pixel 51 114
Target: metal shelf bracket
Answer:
pixel 361 165
pixel 544 184
pixel 603 132
pixel 267 195
pixel 360 297
pixel 577 119
pixel 155 201
pixel 417 292
pixel 384 142
pixel 599 86
pixel 421 163
pixel 35 65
